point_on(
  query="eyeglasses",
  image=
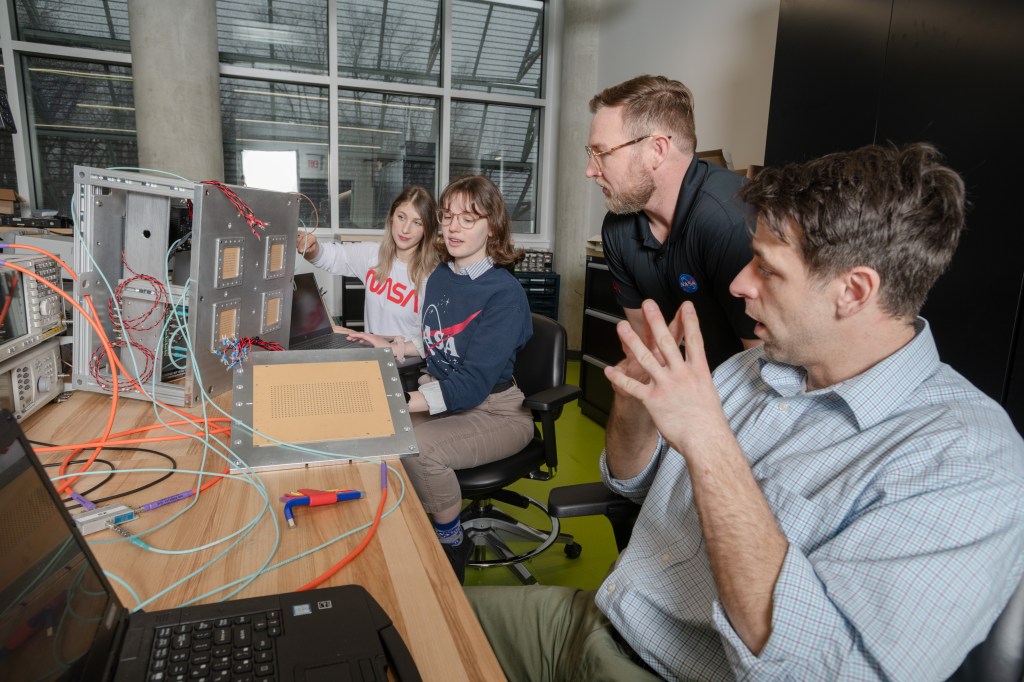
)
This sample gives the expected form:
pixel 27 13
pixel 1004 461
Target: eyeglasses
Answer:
pixel 595 156
pixel 466 219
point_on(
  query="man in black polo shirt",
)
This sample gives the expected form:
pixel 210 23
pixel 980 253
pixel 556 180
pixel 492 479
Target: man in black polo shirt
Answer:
pixel 675 230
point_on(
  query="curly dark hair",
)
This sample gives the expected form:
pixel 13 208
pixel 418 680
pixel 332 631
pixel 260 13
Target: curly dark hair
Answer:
pixel 897 210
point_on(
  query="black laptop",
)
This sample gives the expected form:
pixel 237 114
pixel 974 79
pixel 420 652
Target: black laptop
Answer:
pixel 60 619
pixel 311 321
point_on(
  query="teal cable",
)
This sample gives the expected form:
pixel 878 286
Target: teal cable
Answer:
pixel 122 583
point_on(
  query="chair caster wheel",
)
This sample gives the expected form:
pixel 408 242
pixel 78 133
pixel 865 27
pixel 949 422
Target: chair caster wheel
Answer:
pixel 573 550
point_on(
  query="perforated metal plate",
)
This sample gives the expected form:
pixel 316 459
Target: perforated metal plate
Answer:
pixel 336 403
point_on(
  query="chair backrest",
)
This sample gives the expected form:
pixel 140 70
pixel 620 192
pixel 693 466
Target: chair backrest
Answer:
pixel 541 362
pixel 1000 658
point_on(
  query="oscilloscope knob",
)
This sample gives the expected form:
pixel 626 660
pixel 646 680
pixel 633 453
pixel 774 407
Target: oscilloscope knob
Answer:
pixel 47 307
pixel 43 384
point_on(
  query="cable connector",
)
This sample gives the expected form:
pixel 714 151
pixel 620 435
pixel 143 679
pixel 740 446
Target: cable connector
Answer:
pixel 103 518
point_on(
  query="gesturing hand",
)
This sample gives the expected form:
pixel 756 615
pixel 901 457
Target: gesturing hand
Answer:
pixel 677 392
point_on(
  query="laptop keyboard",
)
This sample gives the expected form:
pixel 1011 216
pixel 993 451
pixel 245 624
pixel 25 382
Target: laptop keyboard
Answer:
pixel 328 341
pixel 237 649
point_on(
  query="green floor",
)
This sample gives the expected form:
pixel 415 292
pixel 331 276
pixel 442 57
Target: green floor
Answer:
pixel 580 442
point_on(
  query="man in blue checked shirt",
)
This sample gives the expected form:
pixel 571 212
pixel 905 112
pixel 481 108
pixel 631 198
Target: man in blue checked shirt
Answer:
pixel 834 505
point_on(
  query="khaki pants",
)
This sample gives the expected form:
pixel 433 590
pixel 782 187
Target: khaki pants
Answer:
pixel 496 428
pixel 545 633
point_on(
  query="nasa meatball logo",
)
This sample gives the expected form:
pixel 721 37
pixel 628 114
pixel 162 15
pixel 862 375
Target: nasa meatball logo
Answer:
pixel 688 284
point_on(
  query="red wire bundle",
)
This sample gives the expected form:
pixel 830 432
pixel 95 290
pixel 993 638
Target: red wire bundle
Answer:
pixel 161 299
pixel 241 206
pixel 96 366
pixel 236 352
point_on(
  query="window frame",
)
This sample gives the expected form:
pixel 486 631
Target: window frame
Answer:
pixel 26 161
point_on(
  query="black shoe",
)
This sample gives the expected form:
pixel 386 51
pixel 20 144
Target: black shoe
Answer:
pixel 459 557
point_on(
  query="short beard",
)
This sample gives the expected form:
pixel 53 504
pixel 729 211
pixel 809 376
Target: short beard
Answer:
pixel 635 198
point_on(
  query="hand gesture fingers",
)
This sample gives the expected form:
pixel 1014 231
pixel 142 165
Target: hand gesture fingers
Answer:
pixel 679 394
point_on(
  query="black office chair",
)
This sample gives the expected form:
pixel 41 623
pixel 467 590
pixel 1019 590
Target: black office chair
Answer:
pixel 999 658
pixel 540 374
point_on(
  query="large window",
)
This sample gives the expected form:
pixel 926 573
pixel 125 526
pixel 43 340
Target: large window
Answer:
pixel 390 40
pixel 497 47
pixel 79 113
pixel 290 35
pixel 502 143
pixel 364 97
pixel 273 116
pixel 101 24
pixel 8 176
pixel 385 142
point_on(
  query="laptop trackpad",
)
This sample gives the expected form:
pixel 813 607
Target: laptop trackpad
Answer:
pixel 363 670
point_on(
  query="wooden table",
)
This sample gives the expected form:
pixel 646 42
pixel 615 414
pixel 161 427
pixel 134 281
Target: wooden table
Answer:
pixel 403 566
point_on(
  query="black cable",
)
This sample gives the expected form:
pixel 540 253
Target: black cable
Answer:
pixel 174 467
pixel 109 476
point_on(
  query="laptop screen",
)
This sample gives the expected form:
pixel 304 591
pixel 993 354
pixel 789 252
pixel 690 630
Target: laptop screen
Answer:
pixel 309 314
pixel 52 602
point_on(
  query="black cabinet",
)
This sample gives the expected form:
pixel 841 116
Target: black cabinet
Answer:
pixel 852 72
pixel 541 291
pixel 353 294
pixel 599 346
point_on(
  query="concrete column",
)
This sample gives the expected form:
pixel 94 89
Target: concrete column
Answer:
pixel 573 212
pixel 177 86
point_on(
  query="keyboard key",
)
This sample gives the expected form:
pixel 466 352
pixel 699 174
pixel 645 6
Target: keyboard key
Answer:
pixel 242 636
pixel 236 649
pixel 197 671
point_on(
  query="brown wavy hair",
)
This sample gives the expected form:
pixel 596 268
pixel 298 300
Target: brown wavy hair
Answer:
pixel 484 199
pixel 897 210
pixel 425 259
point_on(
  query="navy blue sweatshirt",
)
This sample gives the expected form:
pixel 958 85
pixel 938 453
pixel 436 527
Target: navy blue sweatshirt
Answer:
pixel 472 330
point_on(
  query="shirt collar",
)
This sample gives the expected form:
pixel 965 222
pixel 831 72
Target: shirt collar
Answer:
pixel 692 183
pixel 873 394
pixel 474 270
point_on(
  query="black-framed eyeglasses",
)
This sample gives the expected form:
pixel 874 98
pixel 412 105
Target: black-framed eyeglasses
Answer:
pixel 596 155
pixel 466 219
